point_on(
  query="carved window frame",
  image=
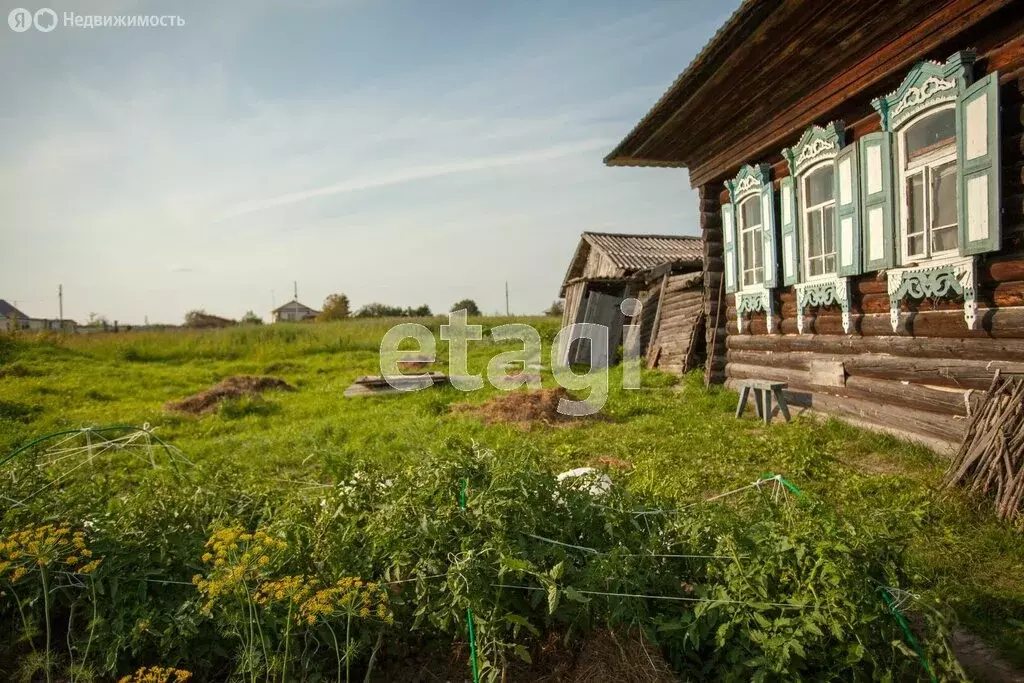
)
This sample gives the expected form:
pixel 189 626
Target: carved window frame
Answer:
pixel 753 182
pixel 927 89
pixel 819 145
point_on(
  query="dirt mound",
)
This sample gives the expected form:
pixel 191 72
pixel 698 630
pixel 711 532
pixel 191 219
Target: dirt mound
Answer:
pixel 520 407
pixel 233 387
pixel 608 656
pixel 602 657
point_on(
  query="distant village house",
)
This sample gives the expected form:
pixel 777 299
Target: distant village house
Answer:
pixel 12 319
pixel 293 311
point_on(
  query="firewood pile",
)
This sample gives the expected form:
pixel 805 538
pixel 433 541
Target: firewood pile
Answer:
pixel 991 459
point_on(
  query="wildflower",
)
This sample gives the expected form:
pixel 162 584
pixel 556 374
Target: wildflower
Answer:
pixel 242 561
pixel 156 674
pixel 37 547
pixel 349 595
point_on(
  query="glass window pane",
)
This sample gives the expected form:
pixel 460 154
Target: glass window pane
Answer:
pixel 915 205
pixel 750 211
pixel 830 264
pixel 748 251
pixel 813 234
pixel 931 132
pixel 915 245
pixel 815 267
pixel 828 227
pixel 819 186
pixel 759 275
pixel 945 239
pixel 756 239
pixel 944 194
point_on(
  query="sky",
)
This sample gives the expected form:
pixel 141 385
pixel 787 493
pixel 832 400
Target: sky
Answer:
pixel 396 151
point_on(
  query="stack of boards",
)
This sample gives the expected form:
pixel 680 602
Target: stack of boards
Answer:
pixel 377 385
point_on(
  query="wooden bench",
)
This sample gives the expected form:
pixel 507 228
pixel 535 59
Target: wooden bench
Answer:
pixel 763 391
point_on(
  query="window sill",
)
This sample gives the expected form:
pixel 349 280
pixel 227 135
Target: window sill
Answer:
pixel 935 278
pixel 753 298
pixel 823 290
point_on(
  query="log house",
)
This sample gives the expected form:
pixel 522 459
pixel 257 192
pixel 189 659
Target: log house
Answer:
pixel 860 178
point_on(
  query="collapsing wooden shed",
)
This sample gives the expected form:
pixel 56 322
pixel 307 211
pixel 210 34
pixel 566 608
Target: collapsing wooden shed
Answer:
pixel 663 272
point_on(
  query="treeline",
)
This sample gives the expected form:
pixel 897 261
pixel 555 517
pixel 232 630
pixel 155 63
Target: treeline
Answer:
pixel 378 310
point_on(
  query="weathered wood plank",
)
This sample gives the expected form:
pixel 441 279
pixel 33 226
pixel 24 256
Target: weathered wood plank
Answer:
pixel 905 418
pixel 845 345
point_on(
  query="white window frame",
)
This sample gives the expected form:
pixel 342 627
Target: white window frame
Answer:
pixel 741 230
pixel 805 242
pixel 923 164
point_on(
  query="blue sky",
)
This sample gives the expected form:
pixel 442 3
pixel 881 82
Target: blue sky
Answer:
pixel 401 151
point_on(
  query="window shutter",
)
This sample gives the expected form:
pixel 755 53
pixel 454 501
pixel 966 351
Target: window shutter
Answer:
pixel 977 135
pixel 788 221
pixel 876 191
pixel 768 230
pixel 729 246
pixel 847 195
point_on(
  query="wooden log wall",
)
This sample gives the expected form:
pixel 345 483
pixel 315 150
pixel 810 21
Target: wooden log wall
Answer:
pixel 678 321
pixel 921 380
pixel 709 207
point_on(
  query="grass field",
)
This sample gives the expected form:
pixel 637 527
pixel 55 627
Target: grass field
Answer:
pixel 275 462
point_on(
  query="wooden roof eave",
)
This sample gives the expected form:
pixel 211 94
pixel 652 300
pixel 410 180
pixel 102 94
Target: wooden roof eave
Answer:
pixel 698 122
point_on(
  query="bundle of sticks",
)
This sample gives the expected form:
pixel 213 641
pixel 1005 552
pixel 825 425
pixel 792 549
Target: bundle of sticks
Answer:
pixel 991 459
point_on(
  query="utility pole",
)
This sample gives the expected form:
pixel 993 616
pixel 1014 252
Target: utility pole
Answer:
pixel 507 311
pixel 60 305
pixel 295 296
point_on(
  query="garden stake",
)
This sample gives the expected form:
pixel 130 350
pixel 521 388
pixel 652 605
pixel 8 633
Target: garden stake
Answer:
pixel 469 610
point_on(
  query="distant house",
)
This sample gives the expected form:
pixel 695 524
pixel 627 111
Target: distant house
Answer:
pixel 13 319
pixel 293 311
pixel 663 272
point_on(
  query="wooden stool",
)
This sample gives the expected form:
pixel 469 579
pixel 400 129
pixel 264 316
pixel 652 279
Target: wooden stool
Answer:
pixel 763 391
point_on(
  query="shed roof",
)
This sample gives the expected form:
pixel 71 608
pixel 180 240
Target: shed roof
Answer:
pixel 631 254
pixel 636 252
pixel 9 311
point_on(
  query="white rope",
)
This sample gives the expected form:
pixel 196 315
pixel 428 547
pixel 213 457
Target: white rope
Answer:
pixel 418 578
pixel 777 479
pixel 673 598
pixel 598 552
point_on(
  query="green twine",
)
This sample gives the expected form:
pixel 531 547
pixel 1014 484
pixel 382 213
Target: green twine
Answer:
pixel 469 610
pixel 910 636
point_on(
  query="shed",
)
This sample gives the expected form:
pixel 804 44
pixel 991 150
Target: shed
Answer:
pixel 663 272
pixel 860 199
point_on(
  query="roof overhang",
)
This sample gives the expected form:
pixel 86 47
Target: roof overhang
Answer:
pixel 777 66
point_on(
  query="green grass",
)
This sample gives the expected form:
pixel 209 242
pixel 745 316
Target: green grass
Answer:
pixel 684 442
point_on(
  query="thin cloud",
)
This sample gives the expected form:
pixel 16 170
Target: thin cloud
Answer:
pixel 418 173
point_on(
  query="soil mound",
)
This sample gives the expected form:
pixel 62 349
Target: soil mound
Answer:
pixel 232 387
pixel 521 407
pixel 602 657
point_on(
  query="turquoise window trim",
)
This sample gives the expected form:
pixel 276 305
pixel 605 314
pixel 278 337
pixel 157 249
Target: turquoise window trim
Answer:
pixel 756 298
pixel 824 291
pixel 935 279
